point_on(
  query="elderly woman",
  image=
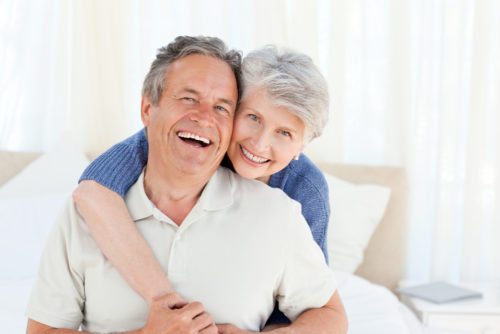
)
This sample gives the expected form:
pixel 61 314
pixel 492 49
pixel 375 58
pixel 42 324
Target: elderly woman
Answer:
pixel 283 105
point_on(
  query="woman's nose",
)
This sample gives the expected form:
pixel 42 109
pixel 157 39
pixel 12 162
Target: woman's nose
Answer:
pixel 262 140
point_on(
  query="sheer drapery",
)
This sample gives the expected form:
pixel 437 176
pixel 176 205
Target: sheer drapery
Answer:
pixel 453 153
pixel 412 83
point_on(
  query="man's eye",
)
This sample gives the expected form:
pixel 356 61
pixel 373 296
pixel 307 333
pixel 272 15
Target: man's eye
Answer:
pixel 221 108
pixel 189 99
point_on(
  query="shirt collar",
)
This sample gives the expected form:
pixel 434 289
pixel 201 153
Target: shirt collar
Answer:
pixel 217 195
pixel 137 201
pixel 219 191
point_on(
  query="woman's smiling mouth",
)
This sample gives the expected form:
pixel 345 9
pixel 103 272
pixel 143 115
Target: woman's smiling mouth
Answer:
pixel 252 157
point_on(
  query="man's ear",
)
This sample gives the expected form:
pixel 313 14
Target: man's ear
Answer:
pixel 145 111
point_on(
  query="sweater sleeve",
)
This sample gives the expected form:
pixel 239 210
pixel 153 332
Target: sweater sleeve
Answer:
pixel 303 181
pixel 120 166
pixel 316 211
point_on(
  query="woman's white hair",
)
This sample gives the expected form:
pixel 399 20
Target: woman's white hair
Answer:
pixel 291 80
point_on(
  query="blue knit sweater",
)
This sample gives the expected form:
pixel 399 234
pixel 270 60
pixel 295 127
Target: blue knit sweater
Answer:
pixel 120 166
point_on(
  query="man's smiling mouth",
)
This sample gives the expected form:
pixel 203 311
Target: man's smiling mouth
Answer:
pixel 193 139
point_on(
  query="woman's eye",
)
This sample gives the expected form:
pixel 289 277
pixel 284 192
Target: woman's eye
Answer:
pixel 285 133
pixel 253 117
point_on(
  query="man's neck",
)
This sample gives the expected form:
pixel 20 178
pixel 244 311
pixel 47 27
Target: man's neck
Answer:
pixel 173 193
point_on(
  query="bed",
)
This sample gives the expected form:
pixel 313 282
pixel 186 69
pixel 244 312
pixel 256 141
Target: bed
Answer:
pixel 367 270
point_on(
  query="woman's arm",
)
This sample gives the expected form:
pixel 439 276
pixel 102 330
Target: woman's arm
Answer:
pixel 109 221
pixel 115 233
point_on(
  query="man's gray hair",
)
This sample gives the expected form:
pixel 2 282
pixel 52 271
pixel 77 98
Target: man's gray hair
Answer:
pixel 291 80
pixel 182 46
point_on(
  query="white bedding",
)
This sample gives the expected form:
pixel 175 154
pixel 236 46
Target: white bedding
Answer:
pixel 371 308
pixel 13 299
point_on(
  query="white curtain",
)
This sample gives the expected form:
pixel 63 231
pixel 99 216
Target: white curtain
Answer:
pixel 413 83
pixel 70 72
pixel 453 148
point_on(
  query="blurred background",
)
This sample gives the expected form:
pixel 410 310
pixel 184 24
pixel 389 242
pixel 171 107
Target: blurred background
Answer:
pixel 413 83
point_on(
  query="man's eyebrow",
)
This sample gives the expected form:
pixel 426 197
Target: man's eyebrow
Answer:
pixel 228 102
pixel 190 90
pixel 195 92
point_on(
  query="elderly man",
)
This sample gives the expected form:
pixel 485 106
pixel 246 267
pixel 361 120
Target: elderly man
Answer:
pixel 206 226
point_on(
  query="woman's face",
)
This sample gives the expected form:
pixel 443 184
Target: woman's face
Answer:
pixel 265 137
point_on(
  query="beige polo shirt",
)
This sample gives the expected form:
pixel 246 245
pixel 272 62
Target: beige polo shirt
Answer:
pixel 242 246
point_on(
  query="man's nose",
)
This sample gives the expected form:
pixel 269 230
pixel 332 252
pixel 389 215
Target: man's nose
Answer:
pixel 203 115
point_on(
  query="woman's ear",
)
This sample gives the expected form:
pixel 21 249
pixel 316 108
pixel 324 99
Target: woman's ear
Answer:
pixel 296 157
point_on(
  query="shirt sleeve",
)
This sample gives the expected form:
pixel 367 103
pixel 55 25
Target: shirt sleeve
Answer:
pixel 57 298
pixel 307 281
pixel 120 166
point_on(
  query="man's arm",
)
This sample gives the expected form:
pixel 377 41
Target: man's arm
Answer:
pixel 35 327
pixel 166 316
pixel 329 319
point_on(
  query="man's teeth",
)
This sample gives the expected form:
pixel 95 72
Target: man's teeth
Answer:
pixel 189 135
pixel 252 157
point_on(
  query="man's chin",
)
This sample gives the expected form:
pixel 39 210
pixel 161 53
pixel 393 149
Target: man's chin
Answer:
pixel 201 170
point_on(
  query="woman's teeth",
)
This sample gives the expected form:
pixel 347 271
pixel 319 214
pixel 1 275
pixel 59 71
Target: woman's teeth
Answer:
pixel 252 157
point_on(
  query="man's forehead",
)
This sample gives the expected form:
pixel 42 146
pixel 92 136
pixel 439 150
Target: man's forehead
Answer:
pixel 200 61
pixel 200 74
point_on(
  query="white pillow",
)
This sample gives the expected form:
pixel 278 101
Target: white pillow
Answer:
pixel 52 173
pixel 356 211
pixel 29 204
pixel 24 229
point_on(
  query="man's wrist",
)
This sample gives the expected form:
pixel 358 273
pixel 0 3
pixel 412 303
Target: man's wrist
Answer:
pixel 283 330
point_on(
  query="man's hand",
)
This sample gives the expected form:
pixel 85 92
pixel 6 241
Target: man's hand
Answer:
pixel 230 329
pixel 170 314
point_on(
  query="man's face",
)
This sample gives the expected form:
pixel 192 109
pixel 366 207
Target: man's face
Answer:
pixel 190 128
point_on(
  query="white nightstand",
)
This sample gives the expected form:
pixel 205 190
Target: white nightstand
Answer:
pixel 474 316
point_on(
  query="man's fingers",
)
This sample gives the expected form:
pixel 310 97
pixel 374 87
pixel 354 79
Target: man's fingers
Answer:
pixel 212 329
pixel 202 321
pixel 224 329
pixel 193 309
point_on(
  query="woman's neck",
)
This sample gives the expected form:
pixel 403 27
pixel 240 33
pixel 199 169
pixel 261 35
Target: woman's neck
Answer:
pixel 265 179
